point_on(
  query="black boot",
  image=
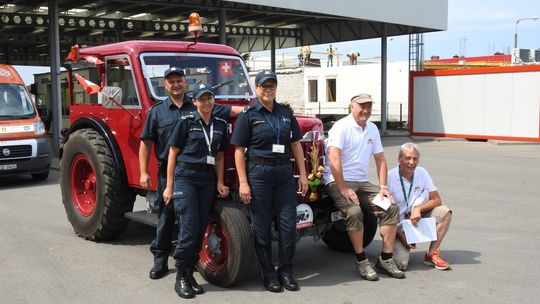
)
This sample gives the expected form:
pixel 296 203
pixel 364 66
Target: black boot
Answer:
pixel 182 285
pixel 198 289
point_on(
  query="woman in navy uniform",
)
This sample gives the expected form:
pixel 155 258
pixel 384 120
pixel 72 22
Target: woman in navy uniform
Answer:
pixel 271 135
pixel 157 131
pixel 195 169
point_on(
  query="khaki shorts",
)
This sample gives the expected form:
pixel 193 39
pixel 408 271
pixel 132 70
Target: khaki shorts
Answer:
pixel 354 216
pixel 401 253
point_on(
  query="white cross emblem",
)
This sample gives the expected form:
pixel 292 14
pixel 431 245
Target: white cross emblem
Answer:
pixel 225 67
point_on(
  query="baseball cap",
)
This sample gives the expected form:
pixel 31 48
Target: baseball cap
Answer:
pixel 202 89
pixel 171 70
pixel 264 75
pixel 362 98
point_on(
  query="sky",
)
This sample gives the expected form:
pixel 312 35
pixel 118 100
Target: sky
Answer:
pixel 475 28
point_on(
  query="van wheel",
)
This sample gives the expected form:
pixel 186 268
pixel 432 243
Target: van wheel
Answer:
pixel 227 249
pixel 337 237
pixel 93 196
pixel 40 176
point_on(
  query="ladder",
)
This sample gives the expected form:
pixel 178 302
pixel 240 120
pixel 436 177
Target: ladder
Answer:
pixel 416 52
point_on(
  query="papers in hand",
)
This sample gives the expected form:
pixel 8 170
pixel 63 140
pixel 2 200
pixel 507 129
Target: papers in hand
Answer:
pixel 382 202
pixel 424 231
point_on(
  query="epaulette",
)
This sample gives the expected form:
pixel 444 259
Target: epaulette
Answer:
pixel 286 105
pixel 187 116
pixel 156 104
pixel 220 119
pixel 247 109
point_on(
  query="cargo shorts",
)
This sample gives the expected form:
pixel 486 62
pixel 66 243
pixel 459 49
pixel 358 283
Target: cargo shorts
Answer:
pixel 354 214
pixel 402 254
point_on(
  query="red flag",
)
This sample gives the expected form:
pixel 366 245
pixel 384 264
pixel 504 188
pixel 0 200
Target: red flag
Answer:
pixel 92 59
pixel 73 54
pixel 225 68
pixel 89 87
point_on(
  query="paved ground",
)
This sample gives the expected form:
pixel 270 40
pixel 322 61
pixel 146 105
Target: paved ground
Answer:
pixel 493 244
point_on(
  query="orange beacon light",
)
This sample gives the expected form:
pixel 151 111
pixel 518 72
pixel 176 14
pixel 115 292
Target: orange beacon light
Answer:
pixel 195 24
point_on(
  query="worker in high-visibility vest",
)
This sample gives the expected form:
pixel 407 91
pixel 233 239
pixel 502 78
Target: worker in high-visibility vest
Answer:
pixel 307 55
pixel 300 56
pixel 330 52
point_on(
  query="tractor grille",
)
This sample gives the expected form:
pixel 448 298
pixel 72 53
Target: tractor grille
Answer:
pixel 10 152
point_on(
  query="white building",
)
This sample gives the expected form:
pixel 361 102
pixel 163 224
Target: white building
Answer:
pixel 324 91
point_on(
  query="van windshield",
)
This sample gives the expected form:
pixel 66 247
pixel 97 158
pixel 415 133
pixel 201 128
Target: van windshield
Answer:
pixel 15 102
pixel 226 74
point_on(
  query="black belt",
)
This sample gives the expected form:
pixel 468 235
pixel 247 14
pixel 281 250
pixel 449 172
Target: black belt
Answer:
pixel 269 161
pixel 195 166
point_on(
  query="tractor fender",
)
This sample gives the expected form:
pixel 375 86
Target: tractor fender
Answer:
pixel 103 130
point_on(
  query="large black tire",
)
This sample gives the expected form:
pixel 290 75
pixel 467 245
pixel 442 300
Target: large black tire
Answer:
pixel 337 237
pixel 92 193
pixel 227 252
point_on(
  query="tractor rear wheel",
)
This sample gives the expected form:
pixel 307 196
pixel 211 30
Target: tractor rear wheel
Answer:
pixel 337 237
pixel 92 193
pixel 227 249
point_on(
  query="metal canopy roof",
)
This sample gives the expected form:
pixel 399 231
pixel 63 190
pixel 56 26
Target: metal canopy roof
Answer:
pixel 24 24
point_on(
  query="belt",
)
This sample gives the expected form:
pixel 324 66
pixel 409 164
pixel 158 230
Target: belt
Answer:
pixel 269 161
pixel 195 166
pixel 162 164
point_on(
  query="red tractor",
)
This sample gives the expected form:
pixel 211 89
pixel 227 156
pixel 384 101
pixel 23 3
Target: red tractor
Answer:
pixel 99 172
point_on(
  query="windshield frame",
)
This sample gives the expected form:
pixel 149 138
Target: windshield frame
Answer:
pixel 154 95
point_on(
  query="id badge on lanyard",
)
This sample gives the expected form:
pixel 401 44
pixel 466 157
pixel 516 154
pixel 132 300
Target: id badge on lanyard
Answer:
pixel 276 148
pixel 209 158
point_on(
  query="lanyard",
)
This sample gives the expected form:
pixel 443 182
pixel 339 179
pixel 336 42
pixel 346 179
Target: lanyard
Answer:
pixel 208 140
pixel 276 129
pixel 403 187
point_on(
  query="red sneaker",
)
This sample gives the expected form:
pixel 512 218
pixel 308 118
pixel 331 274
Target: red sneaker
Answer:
pixel 436 260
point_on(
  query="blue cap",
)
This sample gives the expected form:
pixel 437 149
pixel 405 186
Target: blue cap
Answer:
pixel 171 70
pixel 202 89
pixel 264 75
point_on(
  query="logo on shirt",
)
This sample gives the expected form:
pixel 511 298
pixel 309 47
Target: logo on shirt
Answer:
pixel 256 122
pixel 370 141
pixel 285 119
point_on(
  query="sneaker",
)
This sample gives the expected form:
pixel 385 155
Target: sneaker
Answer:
pixel 366 271
pixel 390 268
pixel 436 260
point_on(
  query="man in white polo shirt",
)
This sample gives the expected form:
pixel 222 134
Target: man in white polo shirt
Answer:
pixel 417 197
pixel 351 143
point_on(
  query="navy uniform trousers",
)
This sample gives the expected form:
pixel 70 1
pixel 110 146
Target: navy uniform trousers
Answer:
pixel 162 244
pixel 273 192
pixel 194 194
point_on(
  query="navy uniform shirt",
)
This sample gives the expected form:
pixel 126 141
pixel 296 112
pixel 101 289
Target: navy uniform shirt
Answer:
pixel 256 129
pixel 162 118
pixel 189 136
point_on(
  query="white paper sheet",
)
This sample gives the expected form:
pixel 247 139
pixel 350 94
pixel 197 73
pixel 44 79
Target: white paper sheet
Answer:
pixel 424 231
pixel 383 203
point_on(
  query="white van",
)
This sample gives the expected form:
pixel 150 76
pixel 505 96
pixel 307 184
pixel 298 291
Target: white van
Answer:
pixel 24 146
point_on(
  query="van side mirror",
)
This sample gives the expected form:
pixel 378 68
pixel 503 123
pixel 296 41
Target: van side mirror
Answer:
pixel 43 112
pixel 111 97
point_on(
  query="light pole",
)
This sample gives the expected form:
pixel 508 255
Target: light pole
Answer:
pixel 517 21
